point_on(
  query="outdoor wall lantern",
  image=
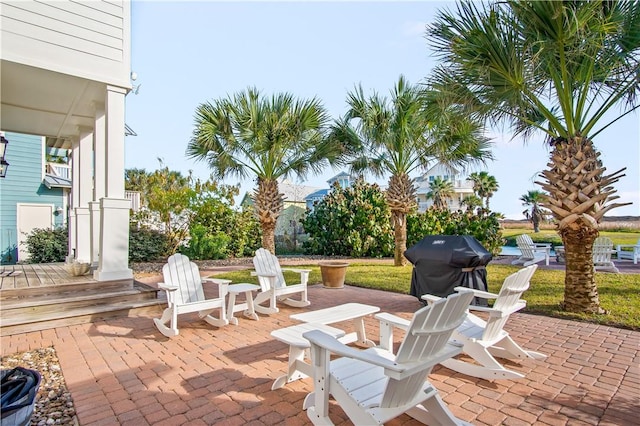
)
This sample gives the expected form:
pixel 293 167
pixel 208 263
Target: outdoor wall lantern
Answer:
pixel 3 168
pixel 3 150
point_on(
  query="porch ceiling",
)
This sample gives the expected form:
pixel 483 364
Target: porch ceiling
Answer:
pixel 41 102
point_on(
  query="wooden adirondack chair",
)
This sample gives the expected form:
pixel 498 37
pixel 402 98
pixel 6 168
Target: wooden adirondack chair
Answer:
pixel 483 340
pixel 531 252
pixel 373 386
pixel 183 285
pixel 273 285
pixel 602 251
pixel 633 254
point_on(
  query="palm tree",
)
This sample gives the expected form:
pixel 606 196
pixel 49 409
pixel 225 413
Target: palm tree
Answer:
pixel 399 135
pixel 536 214
pixel 269 138
pixel 484 185
pixel 556 68
pixel 441 192
pixel 472 202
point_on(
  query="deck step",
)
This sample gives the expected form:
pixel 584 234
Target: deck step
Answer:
pixel 49 290
pixel 47 307
pixel 85 315
pixel 23 308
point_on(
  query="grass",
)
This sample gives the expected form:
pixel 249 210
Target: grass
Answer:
pixel 619 293
pixel 551 236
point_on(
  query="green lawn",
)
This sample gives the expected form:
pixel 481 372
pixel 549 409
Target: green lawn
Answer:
pixel 619 293
pixel 550 236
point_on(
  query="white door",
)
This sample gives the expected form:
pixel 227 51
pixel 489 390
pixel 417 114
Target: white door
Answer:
pixel 30 217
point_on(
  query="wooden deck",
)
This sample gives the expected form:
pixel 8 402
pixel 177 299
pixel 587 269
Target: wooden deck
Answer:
pixel 40 296
pixel 25 276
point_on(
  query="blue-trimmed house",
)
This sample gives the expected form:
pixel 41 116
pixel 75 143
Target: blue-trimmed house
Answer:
pixel 34 193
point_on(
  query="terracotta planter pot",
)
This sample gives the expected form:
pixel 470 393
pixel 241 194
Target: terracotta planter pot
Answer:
pixel 333 273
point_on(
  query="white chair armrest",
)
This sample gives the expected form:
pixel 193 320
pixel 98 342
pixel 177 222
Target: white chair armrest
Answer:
pixel 216 281
pixel 633 246
pixel 325 341
pixel 394 320
pixel 430 298
pixel 542 245
pixel 163 286
pixel 495 313
pixel 478 293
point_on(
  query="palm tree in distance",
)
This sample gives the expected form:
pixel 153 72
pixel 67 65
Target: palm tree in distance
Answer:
pixel 484 185
pixel 535 213
pixel 555 68
pixel 472 202
pixel 269 138
pixel 399 135
pixel 440 191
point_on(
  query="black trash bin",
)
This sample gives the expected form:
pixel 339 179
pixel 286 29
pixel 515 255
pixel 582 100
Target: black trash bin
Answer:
pixel 18 389
pixel 443 262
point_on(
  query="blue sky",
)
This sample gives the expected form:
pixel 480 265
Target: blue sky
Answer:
pixel 187 53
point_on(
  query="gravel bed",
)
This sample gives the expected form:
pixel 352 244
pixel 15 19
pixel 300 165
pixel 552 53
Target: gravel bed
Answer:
pixel 54 405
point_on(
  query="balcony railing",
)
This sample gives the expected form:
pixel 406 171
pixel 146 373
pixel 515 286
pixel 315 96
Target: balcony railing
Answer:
pixel 59 170
pixel 134 197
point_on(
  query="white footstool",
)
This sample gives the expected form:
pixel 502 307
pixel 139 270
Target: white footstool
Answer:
pixel 247 306
pixel 298 346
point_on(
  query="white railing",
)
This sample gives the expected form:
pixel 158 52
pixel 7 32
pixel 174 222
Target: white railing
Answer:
pixel 59 170
pixel 134 197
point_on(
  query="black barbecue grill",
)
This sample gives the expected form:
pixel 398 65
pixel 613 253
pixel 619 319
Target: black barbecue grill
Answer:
pixel 443 262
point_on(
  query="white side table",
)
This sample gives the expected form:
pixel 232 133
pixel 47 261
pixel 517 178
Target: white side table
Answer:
pixel 247 306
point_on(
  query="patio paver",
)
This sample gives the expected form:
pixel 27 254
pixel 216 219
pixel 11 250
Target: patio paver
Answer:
pixel 123 371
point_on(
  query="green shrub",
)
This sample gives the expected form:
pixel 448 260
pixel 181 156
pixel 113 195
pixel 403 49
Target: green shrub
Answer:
pixel 484 227
pixel 147 245
pixel 353 221
pixel 203 246
pixel 47 245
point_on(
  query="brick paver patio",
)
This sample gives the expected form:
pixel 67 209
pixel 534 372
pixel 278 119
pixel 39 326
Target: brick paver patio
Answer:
pixel 123 371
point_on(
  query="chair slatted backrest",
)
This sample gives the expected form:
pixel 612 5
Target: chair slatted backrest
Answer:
pixel 602 249
pixel 266 263
pixel 429 331
pixel 525 244
pixel 181 272
pixel 509 296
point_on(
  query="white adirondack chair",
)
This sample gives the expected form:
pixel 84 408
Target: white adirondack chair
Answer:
pixel 273 286
pixel 602 251
pixel 531 252
pixel 633 254
pixel 183 285
pixel 483 340
pixel 374 386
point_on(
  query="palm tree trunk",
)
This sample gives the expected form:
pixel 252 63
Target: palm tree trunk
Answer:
pixel 580 290
pixel 268 235
pixel 268 204
pixel 400 233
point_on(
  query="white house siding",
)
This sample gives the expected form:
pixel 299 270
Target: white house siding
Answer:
pixel 87 39
pixel 461 187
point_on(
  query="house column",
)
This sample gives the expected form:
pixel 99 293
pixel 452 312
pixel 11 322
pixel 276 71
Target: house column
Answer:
pixel 74 198
pixel 85 192
pixel 114 208
pixel 99 174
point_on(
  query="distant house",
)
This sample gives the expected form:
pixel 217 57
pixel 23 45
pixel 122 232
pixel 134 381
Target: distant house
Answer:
pixel 343 179
pixel 34 193
pixel 462 187
pixel 294 206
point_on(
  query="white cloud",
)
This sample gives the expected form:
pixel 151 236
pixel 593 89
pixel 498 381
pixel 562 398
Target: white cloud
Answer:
pixel 413 28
